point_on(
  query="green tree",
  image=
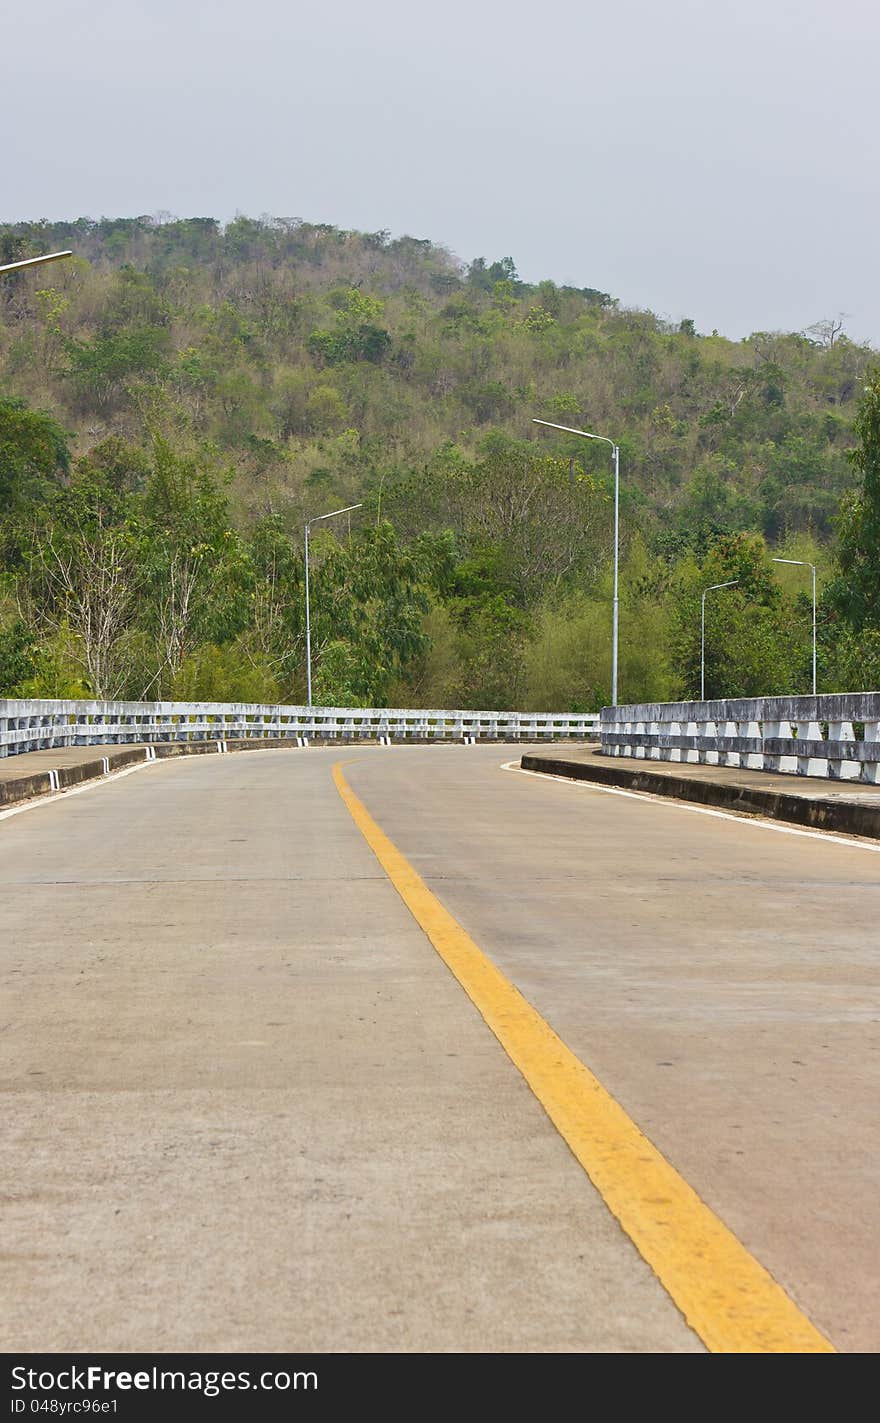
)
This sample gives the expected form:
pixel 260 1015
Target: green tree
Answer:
pixel 277 618
pixel 193 562
pixel 750 650
pixel 368 601
pixel 223 674
pixel 856 592
pixel 99 369
pixel 34 456
pixel 526 520
pixel 18 656
pixel 356 335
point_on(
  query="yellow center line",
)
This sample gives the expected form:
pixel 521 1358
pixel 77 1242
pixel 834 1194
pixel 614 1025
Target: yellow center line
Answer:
pixel 726 1296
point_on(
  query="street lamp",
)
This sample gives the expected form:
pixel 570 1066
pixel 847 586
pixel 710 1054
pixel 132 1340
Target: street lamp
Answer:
pixel 317 519
pixel 803 563
pixel 712 586
pixel 615 455
pixel 34 261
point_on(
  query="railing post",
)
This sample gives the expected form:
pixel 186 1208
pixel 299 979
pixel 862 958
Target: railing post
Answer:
pixel 871 768
pixel 691 754
pixel 839 768
pixel 730 732
pixel 808 765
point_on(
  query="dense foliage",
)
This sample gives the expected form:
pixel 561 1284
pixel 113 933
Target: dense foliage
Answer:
pixel 177 399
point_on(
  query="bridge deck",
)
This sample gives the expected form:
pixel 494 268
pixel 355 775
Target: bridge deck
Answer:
pixel 813 787
pixel 248 1106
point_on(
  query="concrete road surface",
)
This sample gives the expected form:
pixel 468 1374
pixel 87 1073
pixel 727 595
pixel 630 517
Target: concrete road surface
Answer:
pixel 247 1107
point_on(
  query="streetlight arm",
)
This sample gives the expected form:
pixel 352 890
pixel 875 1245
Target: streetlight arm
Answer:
pixel 34 261
pixel 569 430
pixel 795 562
pixel 332 515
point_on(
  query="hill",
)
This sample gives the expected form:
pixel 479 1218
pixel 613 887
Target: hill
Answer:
pixel 236 380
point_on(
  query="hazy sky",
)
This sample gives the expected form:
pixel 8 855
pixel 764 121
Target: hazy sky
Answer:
pixel 707 158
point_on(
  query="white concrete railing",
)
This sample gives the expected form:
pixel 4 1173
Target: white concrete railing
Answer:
pixel 837 736
pixel 39 725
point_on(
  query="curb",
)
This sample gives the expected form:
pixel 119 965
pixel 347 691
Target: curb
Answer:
pixel 45 782
pixel 66 777
pixel 844 817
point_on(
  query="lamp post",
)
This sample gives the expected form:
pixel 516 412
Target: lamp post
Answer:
pixel 803 563
pixel 710 589
pixel 317 519
pixel 615 455
pixel 34 261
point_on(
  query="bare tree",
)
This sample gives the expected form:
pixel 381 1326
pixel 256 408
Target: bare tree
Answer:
pixel 272 639
pixel 826 332
pixel 85 577
pixel 175 611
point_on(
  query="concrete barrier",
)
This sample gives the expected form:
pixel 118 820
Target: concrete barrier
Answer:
pixel 835 736
pixel 39 725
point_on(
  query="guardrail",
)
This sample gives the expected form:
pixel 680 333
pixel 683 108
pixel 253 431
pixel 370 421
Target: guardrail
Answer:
pixel 40 725
pixel 837 736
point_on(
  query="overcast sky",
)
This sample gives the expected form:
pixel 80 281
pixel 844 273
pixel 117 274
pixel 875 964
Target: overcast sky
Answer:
pixel 707 158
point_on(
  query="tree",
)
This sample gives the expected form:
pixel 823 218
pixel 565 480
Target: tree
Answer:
pixel 34 456
pixel 368 599
pixel 18 656
pixel 855 593
pixel 84 576
pixel 277 620
pixel 750 650
pixel 826 332
pixel 99 369
pixel 193 561
pixel 486 276
pixel 356 336
pixel 526 520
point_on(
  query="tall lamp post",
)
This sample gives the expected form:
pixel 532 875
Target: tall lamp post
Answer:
pixel 317 519
pixel 615 455
pixel 712 586
pixel 803 563
pixel 34 261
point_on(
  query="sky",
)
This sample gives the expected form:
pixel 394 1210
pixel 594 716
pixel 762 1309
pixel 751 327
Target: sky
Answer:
pixel 701 158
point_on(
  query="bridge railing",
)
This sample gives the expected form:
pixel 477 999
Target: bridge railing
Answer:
pixel 43 724
pixel 837 736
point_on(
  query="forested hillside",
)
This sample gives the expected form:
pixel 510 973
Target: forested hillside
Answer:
pixel 177 399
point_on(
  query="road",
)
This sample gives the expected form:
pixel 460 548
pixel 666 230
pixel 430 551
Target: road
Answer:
pixel 248 1107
